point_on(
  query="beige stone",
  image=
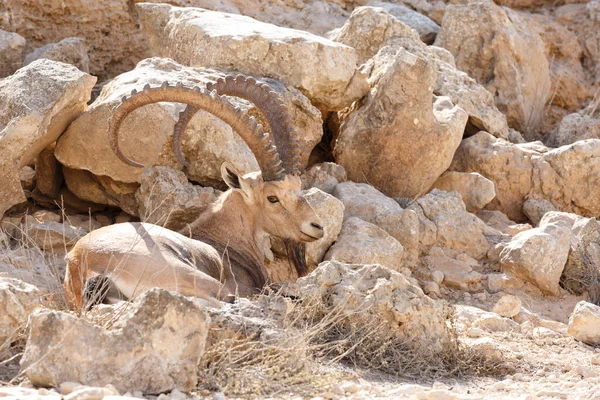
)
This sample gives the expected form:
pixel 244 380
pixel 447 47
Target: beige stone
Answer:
pixel 258 49
pixel 17 300
pixel 324 176
pixel 53 235
pixel 12 51
pixel 360 242
pixel 385 140
pixel 535 209
pixel 508 306
pixel 582 270
pixel 498 220
pixel 48 172
pixel 425 27
pixel 71 50
pixel 475 190
pixel 493 45
pixel 457 271
pixel 581 125
pixel 148 351
pixel 584 323
pixel 30 122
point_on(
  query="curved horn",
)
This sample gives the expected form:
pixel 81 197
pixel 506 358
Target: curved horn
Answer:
pixel 260 143
pixel 269 103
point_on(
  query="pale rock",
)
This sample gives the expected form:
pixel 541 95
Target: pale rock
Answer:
pixel 91 393
pixel 48 172
pixel 166 198
pixel 377 145
pixel 525 316
pixel 72 50
pixel 207 142
pixel 66 388
pixel 498 220
pixel 586 372
pixel 535 209
pixel 545 333
pixel 53 235
pixel 437 276
pixel 508 306
pixel 457 271
pixel 425 27
pixel 476 191
pixel 101 189
pixel 148 351
pixel 493 45
pixel 374 291
pixel 324 176
pixel 257 48
pixel 562 218
pixel 30 122
pixel 492 322
pixel 85 222
pixel 360 242
pixel 12 51
pixel 584 323
pixel 581 125
pixel 18 392
pixel 42 216
pixel 17 300
pixel 368 29
pixel 487 347
pixel 445 222
pixel 432 289
pixel 582 269
pixel 497 282
pixel 538 256
pixel 27 177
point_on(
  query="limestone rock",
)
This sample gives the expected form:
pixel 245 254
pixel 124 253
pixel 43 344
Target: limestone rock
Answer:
pixel 493 45
pixel 535 209
pixel 48 172
pixel 498 282
pixel 324 176
pixel 12 48
pixel 445 222
pixel 53 235
pixel 149 350
pixel 426 28
pixel 380 293
pixel 584 323
pixel 582 271
pixel 108 26
pixel 71 50
pixel 360 242
pixel 499 221
pixel 368 29
pixel 377 145
pixel 581 125
pixel 207 143
pixel 476 191
pixel 457 271
pixel 538 256
pixel 17 300
pixel 258 49
pixel 166 198
pixel 30 122
pixel 508 306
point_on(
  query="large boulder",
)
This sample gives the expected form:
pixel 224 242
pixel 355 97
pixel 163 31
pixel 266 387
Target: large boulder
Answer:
pixel 12 51
pixel 154 346
pixel 71 50
pixel 30 122
pixel 109 26
pixel 401 147
pixel 582 271
pixel 476 191
pixel 166 198
pixel 17 300
pixel 538 256
pixel 493 45
pixel 426 28
pixel 259 49
pixel 581 125
pixel 208 141
pixel 324 176
pixel 584 323
pixel 360 242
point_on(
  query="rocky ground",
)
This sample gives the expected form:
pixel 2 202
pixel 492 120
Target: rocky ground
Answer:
pixel 451 149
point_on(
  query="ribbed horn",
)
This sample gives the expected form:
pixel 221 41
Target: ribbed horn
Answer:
pixel 259 142
pixel 269 103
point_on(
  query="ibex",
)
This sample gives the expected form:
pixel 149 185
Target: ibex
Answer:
pixel 222 252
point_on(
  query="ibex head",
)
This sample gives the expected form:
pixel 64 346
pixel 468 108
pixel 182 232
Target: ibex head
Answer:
pixel 274 194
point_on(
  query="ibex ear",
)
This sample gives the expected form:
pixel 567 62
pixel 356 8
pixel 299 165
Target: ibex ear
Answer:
pixel 234 179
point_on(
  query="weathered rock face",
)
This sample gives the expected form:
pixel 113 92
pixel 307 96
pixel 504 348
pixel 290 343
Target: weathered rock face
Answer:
pixel 368 29
pixel 109 26
pixel 149 350
pixel 581 125
pixel 493 45
pixel 582 271
pixel 535 209
pixel 476 191
pixel 12 51
pixel 48 172
pixel 538 256
pixel 360 242
pixel 72 51
pixel 30 122
pixel 207 143
pixel 17 300
pixel 401 147
pixel 445 222
pixel 257 49
pixel 457 269
pixel 324 176
pixel 508 306
pixel 565 176
pixel 425 27
pixel 166 198
pixel 53 235
pixel 584 323
pixel 381 293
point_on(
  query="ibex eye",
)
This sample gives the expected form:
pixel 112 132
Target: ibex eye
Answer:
pixel 273 199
